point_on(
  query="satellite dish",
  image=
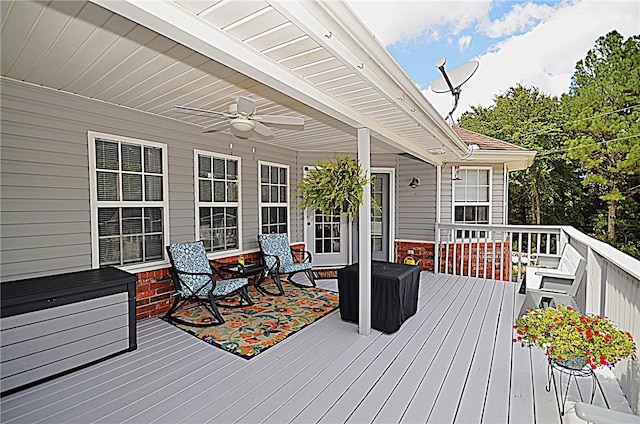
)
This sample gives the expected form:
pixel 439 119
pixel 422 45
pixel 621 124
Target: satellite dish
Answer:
pixel 452 82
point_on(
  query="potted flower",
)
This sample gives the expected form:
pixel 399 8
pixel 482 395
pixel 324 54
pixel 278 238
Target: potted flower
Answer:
pixel 334 186
pixel 574 340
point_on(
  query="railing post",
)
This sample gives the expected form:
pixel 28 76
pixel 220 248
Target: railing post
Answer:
pixel 595 290
pixel 436 253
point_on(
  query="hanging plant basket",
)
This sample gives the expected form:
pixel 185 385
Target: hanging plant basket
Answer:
pixel 334 186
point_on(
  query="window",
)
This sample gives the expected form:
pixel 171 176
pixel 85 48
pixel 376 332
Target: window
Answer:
pixel 472 194
pixel 274 198
pixel 129 201
pixel 218 201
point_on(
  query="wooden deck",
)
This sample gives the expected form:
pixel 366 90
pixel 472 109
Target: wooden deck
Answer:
pixel 454 361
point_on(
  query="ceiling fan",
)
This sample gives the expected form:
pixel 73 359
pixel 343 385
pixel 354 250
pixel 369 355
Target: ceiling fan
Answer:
pixel 241 118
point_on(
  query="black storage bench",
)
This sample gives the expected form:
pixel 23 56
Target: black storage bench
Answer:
pixel 394 294
pixel 56 324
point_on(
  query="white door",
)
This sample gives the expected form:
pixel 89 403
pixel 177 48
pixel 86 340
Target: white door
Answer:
pixel 329 238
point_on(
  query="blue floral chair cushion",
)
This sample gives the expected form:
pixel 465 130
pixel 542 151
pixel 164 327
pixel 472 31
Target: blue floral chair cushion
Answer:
pixel 277 256
pixel 276 245
pixel 194 280
pixel 191 257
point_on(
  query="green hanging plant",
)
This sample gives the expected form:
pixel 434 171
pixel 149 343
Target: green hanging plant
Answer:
pixel 336 185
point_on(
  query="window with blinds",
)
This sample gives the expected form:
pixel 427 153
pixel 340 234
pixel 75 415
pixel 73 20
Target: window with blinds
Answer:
pixel 128 194
pixel 218 201
pixel 274 198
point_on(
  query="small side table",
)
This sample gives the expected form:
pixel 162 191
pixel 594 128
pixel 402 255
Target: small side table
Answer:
pixel 255 273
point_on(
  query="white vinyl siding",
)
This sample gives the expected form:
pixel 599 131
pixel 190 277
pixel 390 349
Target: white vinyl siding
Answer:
pixel 273 183
pixel 218 198
pixel 129 200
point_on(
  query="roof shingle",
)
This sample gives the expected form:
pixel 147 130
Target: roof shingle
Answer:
pixel 484 142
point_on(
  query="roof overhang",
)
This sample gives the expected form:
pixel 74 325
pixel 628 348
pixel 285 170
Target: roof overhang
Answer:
pixel 337 28
pixel 514 159
pixel 313 60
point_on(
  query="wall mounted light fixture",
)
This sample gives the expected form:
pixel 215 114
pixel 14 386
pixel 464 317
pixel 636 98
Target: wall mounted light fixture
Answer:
pixel 415 182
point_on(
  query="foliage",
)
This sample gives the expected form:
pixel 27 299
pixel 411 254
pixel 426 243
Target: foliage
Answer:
pixel 587 171
pixel 334 185
pixel 549 191
pixel 604 109
pixel 564 333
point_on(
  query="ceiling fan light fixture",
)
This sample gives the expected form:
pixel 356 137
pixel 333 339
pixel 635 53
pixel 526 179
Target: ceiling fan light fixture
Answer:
pixel 242 125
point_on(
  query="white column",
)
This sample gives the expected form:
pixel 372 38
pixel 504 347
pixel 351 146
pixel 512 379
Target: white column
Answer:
pixel 364 244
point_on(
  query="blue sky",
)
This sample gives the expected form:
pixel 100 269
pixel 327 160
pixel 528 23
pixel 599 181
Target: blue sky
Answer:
pixel 534 43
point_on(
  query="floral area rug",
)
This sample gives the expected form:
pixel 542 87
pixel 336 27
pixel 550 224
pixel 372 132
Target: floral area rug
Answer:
pixel 251 330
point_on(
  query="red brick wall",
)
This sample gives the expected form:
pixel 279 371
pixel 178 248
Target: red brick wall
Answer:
pixel 424 252
pixel 153 293
pixel 154 289
pixel 474 254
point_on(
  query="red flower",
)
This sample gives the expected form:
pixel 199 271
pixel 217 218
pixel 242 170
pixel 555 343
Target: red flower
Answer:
pixel 569 308
pixel 603 360
pixel 589 335
pixel 519 332
pixel 514 340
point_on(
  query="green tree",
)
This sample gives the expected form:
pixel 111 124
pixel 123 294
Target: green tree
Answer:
pixel 604 108
pixel 549 191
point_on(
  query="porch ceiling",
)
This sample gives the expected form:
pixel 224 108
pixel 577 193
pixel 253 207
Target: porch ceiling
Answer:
pixel 84 48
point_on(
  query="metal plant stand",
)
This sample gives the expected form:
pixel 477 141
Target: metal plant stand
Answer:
pixel 572 372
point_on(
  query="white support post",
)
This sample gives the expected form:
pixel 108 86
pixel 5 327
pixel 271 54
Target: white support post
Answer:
pixel 364 255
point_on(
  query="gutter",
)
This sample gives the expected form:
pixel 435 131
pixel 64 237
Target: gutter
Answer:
pixel 350 23
pixel 515 159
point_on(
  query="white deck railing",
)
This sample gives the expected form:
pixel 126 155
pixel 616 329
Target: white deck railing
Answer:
pixel 610 286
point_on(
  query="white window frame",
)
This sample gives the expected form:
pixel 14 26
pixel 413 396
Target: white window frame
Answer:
pixel 455 203
pixel 198 204
pixel 95 204
pixel 271 204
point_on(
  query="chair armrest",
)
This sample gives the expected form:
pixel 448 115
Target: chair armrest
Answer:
pixel 208 274
pixel 599 415
pixel 547 261
pixel 559 275
pixel 275 266
pixel 306 255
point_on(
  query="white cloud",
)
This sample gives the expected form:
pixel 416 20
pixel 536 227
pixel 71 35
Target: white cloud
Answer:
pixel 398 21
pixel 464 42
pixel 546 56
pixel 522 17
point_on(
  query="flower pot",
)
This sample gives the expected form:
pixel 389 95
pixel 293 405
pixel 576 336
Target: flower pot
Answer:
pixel 575 363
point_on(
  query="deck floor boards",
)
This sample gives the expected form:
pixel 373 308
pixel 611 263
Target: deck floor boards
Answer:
pixel 454 361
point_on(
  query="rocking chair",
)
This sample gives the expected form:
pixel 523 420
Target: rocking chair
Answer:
pixel 277 255
pixel 194 281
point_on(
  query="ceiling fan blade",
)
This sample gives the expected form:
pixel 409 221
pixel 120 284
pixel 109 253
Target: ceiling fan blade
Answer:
pixel 263 130
pixel 195 109
pixel 215 127
pixel 246 106
pixel 279 119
